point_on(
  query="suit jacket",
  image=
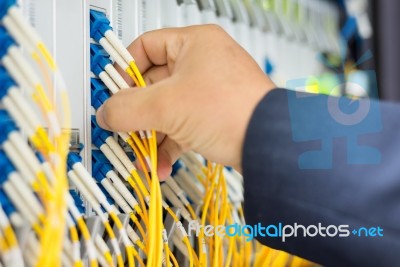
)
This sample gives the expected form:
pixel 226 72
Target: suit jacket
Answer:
pixel 309 161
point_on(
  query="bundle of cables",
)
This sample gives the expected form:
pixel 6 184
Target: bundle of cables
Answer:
pixel 48 140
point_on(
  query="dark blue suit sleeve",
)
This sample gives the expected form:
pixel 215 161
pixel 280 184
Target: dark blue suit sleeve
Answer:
pixel 308 161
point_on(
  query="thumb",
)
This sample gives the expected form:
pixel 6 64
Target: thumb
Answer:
pixel 136 109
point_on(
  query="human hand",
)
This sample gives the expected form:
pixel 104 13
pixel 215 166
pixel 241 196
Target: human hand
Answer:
pixel 202 90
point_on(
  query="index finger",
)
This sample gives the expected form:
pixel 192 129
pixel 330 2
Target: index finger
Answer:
pixel 157 48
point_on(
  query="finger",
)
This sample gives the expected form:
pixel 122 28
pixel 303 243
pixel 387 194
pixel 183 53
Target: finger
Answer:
pixel 138 109
pixel 159 47
pixel 168 152
pixel 156 74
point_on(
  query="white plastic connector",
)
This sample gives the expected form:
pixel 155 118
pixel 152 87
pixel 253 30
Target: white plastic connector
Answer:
pixel 24 106
pixel 26 193
pixel 177 190
pixel 113 53
pixel 167 192
pixel 18 34
pixel 120 153
pixel 26 70
pixel 106 79
pixel 117 78
pixel 18 117
pixel 16 74
pixel 120 186
pixel 15 13
pixel 116 196
pixel 117 164
pixel 16 160
pixel 118 46
pixel 87 195
pixel 19 204
pixel 25 152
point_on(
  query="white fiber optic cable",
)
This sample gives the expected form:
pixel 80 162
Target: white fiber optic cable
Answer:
pixel 193 168
pixel 26 153
pixel 16 74
pixel 26 194
pixel 18 34
pixel 119 200
pixel 75 178
pixel 118 46
pixel 6 253
pixel 16 219
pixel 76 244
pixel 117 78
pixel 19 164
pixel 101 245
pixel 90 185
pixel 117 164
pixel 106 79
pixel 184 185
pixel 16 55
pixel 15 13
pixel 167 192
pixel 176 240
pixel 177 190
pixel 120 153
pixel 15 250
pixel 30 254
pixel 101 259
pixel 19 203
pixel 113 53
pixel 17 115
pixel 87 195
pixel 122 189
pixel 79 219
pixel 24 106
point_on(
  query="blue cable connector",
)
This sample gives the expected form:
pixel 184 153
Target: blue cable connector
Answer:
pixel 176 167
pixel 6 204
pixel 72 159
pixel 5 5
pixel 6 167
pixel 100 93
pixel 6 41
pixel 99 25
pixel 7 126
pixel 6 82
pixel 100 165
pixel 99 59
pixel 77 201
pixel 99 135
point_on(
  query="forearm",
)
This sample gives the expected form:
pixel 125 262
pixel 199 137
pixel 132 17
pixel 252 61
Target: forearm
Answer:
pixel 282 186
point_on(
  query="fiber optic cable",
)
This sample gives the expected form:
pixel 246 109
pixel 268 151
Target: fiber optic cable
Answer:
pixel 101 66
pixel 98 139
pixel 97 208
pixel 76 245
pixel 11 239
pixel 88 182
pixel 104 251
pixel 84 231
pixel 122 204
pixel 19 109
pixel 13 20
